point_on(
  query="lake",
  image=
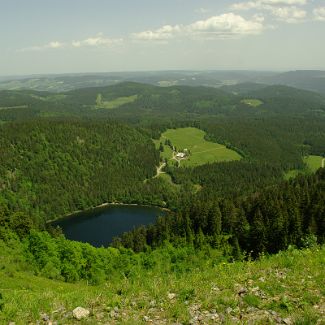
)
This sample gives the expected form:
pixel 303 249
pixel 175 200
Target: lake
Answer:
pixel 99 226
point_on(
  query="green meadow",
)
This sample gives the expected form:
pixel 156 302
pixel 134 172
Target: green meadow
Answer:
pixel 201 150
pixel 252 102
pixel 313 163
pixel 115 103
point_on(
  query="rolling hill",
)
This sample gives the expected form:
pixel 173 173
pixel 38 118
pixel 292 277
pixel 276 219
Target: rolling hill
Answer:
pixel 136 100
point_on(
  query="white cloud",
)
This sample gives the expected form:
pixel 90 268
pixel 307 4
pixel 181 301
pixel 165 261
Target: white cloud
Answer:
pixel 51 45
pixel 289 14
pixel 227 25
pixel 266 4
pixel 283 10
pixel 161 34
pixel 98 41
pixel 55 45
pixel 284 2
pixel 319 13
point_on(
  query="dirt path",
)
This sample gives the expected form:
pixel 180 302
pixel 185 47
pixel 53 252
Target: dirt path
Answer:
pixel 159 170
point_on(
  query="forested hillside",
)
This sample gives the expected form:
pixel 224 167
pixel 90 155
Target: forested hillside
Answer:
pixel 134 101
pixel 51 168
pixel 267 221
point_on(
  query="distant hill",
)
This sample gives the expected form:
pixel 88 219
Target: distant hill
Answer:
pixel 66 82
pixel 138 100
pixel 313 80
pixel 243 88
pixel 289 100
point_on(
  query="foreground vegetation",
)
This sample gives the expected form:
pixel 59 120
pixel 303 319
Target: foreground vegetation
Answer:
pixel 174 286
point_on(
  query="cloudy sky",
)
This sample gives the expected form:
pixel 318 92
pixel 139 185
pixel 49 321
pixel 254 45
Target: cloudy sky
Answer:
pixel 58 36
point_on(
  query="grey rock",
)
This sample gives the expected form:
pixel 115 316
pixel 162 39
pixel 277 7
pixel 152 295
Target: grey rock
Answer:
pixel 80 313
pixel 242 291
pixel 228 310
pixel 113 314
pixel 146 318
pixel 152 303
pixel 287 321
pixel 45 317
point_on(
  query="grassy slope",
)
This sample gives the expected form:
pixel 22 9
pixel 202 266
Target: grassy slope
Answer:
pixel 115 103
pixel 202 151
pixel 313 163
pixel 288 286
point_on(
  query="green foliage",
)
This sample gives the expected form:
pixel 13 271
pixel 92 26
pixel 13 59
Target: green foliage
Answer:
pixel 283 215
pixel 273 287
pixel 52 168
pixel 1 302
pixel 252 300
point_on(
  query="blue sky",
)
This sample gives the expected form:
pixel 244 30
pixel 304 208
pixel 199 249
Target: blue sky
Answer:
pixel 47 36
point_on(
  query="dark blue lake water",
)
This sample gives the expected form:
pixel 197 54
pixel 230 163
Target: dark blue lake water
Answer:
pixel 99 226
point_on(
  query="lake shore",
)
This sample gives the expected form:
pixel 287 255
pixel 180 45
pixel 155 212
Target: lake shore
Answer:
pixel 103 205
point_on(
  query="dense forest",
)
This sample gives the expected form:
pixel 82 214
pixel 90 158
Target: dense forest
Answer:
pixel 268 221
pixel 51 168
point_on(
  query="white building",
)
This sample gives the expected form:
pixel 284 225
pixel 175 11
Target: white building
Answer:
pixel 180 155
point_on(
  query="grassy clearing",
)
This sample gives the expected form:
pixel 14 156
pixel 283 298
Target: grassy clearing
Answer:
pixel 115 103
pixel 313 162
pixel 9 107
pixel 201 151
pixel 252 102
pixel 284 288
pixel 51 98
pixel 293 173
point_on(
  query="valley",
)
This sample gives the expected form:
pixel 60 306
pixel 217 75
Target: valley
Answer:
pixel 162 162
pixel 239 174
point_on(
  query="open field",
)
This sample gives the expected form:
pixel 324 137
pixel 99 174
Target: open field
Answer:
pixel 201 151
pixel 115 103
pixel 252 102
pixel 313 162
